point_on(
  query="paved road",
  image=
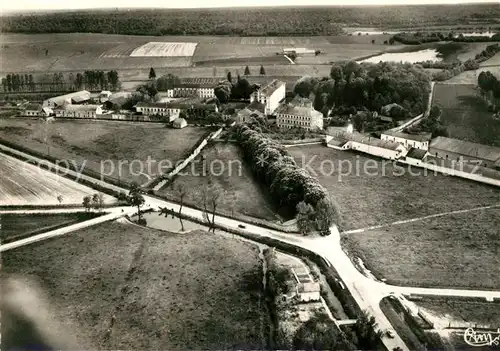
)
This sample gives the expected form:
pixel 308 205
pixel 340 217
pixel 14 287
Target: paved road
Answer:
pixel 366 291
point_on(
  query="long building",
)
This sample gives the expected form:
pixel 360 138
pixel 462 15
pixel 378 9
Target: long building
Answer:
pixel 77 97
pixel 158 108
pixel 78 111
pixel 270 95
pixel 419 141
pixel 460 150
pixel 299 116
pixel 203 88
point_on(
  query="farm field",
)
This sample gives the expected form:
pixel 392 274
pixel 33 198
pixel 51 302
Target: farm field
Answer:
pixel 223 167
pixel 79 51
pixel 470 77
pixel 18 226
pixel 103 144
pixel 457 250
pixel 461 312
pixel 195 291
pixel 383 194
pixel 465 114
pixel 26 184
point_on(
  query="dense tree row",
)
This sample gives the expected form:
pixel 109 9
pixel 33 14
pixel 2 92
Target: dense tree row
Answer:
pixel 57 82
pixel 422 38
pixel 368 86
pixel 288 184
pixel 245 21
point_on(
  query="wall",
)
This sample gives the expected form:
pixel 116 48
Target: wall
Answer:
pixel 373 150
pixel 195 153
pixel 451 171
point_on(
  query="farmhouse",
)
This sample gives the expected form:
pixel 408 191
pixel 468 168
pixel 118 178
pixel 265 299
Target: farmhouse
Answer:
pixel 270 95
pixel 420 141
pixel 33 110
pixel 460 150
pixel 78 97
pixel 158 108
pixel 78 111
pixel 302 116
pixel 194 87
pixel 416 155
pixel 368 145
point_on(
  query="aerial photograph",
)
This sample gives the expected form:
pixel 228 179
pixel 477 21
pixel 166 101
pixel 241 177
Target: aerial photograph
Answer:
pixel 251 175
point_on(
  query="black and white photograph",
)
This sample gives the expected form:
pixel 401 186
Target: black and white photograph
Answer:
pixel 250 175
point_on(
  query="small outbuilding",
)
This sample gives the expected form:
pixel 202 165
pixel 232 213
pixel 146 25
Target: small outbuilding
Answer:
pixel 179 123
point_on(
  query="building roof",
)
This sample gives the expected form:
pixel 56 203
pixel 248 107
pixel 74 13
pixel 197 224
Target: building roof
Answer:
pixel 309 287
pixel 299 50
pixel 202 81
pixel 414 137
pixel 416 153
pixel 33 107
pixel 466 148
pixel 153 104
pixel 290 109
pixel 78 107
pixel 59 100
pixel 271 87
pixel 105 92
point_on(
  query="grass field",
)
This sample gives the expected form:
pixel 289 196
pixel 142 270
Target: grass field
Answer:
pixel 465 114
pixel 18 226
pixel 196 291
pixel 470 77
pixel 103 144
pixel 26 184
pixel 224 167
pixel 459 312
pixel 368 198
pixel 79 51
pixel 459 250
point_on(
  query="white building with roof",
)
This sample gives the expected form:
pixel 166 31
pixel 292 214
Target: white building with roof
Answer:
pixel 303 116
pixel 270 95
pixel 419 141
pixel 78 111
pixel 461 150
pixel 77 97
pixel 158 108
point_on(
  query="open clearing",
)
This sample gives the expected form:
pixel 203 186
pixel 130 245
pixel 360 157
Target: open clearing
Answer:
pixel 222 165
pixel 96 144
pixel 376 192
pixel 26 184
pixel 195 291
pixel 459 250
pixel 461 312
pixel 465 114
pixel 18 226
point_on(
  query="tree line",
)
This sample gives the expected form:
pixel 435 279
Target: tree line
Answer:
pixel 423 37
pixel 288 184
pixel 489 86
pixel 57 82
pixel 250 21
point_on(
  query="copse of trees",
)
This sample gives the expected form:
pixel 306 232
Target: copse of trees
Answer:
pixel 489 86
pixel 367 86
pixel 287 182
pixel 422 38
pixel 238 90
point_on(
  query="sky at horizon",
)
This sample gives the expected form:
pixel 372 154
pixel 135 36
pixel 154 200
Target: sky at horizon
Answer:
pixel 31 5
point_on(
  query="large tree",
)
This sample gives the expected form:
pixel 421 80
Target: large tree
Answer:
pixel 135 198
pixel 152 73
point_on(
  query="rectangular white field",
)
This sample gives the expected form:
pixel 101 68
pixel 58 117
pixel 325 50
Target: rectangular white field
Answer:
pixel 163 49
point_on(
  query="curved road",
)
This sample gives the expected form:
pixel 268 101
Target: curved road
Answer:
pixel 366 291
